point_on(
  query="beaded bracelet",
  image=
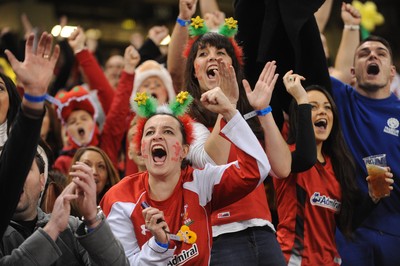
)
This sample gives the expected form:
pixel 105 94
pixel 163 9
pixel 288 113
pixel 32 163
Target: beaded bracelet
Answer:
pixel 262 112
pixel 352 27
pixel 182 22
pixel 35 99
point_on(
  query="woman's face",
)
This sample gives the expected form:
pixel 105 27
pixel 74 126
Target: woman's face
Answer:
pixel 4 101
pixel 98 165
pixel 206 66
pixel 322 115
pixel 161 146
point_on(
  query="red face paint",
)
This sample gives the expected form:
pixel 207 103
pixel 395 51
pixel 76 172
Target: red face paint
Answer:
pixel 178 148
pixel 143 150
pixel 196 71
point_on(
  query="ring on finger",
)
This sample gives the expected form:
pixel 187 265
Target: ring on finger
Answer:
pixel 46 56
pixel 291 79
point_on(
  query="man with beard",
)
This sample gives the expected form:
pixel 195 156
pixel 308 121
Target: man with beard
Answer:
pixel 370 116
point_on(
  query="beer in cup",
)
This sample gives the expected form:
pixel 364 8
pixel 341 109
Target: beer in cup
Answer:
pixel 376 170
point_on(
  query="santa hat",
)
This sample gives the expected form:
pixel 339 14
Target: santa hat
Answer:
pixel 151 68
pixel 78 98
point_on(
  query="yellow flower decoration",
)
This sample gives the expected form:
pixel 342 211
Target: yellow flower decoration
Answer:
pixel 231 23
pixel 8 70
pixel 370 17
pixel 141 98
pixel 182 97
pixel 197 22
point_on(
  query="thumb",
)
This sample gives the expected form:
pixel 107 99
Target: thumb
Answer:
pixel 11 58
pixel 246 86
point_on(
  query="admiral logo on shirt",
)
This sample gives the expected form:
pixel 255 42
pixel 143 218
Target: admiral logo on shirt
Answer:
pixel 184 256
pixel 392 127
pixel 325 202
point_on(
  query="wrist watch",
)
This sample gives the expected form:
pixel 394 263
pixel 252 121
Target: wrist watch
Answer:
pixel 99 216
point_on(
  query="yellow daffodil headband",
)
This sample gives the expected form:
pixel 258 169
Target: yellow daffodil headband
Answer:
pixel 229 29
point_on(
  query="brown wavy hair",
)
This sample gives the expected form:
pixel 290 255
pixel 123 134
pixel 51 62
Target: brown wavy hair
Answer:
pixel 112 174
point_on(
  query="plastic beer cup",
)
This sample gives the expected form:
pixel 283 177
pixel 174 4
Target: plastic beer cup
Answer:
pixel 376 170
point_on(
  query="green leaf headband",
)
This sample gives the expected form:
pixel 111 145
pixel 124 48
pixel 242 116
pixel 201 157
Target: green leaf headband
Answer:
pixel 146 106
pixel 198 27
pixel 229 29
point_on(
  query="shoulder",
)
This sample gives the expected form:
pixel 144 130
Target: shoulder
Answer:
pixel 128 190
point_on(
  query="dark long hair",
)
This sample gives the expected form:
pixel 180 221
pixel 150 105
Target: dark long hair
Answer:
pixel 14 100
pixel 342 161
pixel 197 110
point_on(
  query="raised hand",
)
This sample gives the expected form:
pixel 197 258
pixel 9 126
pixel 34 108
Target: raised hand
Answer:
pixel 187 8
pixel 131 59
pixel 158 33
pixel 77 40
pixel 216 101
pixel 260 97
pixel 86 201
pixel 350 15
pixel 226 78
pixel 293 86
pixel 36 71
pixel 215 19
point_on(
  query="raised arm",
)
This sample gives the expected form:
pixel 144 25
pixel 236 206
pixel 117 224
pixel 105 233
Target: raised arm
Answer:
pixel 350 40
pixel 176 62
pixel 259 98
pixel 305 155
pixel 228 183
pixel 95 75
pixel 35 74
pixel 322 15
pixel 114 126
pixel 211 13
pixel 150 50
pixel 212 147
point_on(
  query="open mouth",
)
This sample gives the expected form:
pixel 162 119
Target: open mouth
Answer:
pixel 211 72
pixel 373 69
pixel 159 154
pixel 154 95
pixel 81 132
pixel 321 123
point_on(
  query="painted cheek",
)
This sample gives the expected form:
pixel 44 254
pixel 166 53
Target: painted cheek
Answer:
pixel 143 150
pixel 178 148
pixel 196 71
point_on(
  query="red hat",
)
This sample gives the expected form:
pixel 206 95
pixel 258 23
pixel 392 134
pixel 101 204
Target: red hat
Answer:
pixel 78 98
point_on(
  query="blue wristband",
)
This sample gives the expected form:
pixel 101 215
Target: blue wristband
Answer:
pixel 182 22
pixel 264 111
pixel 35 99
pixel 258 112
pixel 166 245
